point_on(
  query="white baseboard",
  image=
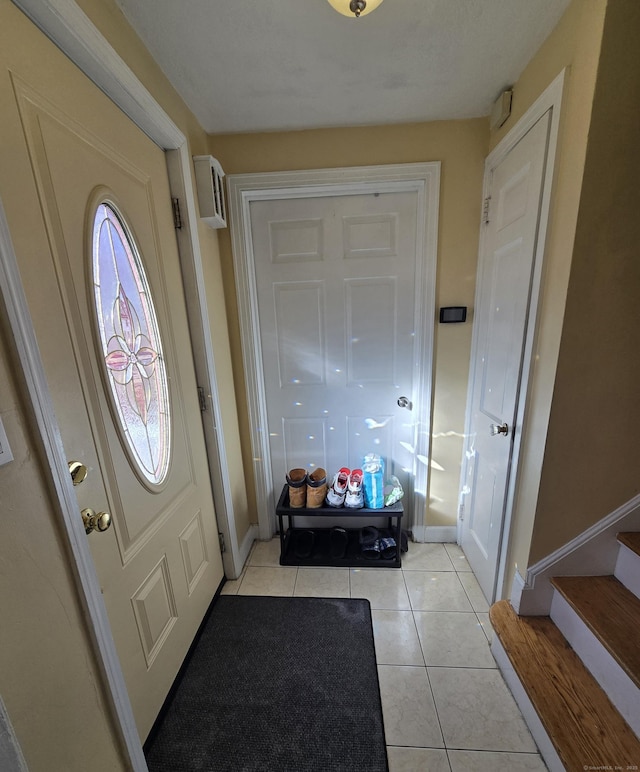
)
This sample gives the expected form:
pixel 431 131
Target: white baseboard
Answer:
pixel 517 589
pixel 435 533
pixel 529 713
pixel 245 547
pixel 11 758
pixel 592 552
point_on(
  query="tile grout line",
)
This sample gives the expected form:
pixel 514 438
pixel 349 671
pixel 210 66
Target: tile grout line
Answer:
pixel 426 669
pixel 414 611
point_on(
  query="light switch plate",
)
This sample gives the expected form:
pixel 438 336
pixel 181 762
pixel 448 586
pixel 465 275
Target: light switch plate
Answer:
pixel 5 451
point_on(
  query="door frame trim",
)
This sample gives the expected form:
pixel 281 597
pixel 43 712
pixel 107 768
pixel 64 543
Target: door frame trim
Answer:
pixel 421 178
pixel 68 27
pixel 549 100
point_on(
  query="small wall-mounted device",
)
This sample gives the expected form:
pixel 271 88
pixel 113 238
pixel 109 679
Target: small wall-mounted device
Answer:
pixel 210 187
pixel 501 109
pixel 453 314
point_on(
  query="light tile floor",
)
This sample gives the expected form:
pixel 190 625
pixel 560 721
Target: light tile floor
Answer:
pixel 445 704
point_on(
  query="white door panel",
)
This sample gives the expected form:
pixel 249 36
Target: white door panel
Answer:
pixel 502 308
pixel 336 280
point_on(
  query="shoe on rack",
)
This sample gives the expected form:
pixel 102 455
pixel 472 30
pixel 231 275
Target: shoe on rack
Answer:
pixel 338 541
pixel 368 535
pixel 354 497
pixel 338 489
pixel 316 488
pixel 370 542
pixel 304 543
pixel 372 551
pixel 388 547
pixel 297 482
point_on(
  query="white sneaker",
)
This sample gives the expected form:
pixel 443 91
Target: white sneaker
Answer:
pixel 354 497
pixel 338 490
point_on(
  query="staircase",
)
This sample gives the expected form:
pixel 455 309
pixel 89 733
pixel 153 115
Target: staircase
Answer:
pixel 576 673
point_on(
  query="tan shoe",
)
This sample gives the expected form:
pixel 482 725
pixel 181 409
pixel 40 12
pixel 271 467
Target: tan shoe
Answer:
pixel 316 488
pixel 297 481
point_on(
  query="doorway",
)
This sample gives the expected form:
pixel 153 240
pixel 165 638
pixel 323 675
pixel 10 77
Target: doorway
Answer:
pixel 339 263
pixel 114 341
pixel 69 28
pixel 517 191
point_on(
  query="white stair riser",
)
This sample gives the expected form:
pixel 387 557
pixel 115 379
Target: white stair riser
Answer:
pixel 620 689
pixel 627 569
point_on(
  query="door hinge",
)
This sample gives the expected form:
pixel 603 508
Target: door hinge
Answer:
pixel 485 210
pixel 223 547
pixel 202 399
pixel 177 217
pixel 461 512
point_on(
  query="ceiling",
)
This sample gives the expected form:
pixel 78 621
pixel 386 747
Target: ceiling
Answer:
pixel 272 65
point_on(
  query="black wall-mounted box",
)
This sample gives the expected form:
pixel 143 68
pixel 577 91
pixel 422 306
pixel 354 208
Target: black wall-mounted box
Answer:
pixel 453 314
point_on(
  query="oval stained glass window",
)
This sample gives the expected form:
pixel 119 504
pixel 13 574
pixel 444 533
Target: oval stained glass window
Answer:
pixel 131 347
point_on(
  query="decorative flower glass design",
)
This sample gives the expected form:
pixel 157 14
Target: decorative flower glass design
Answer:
pixel 131 344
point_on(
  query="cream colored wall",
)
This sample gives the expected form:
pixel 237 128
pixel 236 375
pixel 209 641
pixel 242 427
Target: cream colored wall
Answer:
pixel 461 146
pixel 591 459
pixel 574 44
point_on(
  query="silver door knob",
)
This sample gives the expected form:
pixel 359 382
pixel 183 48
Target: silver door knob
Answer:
pixel 404 402
pixel 499 429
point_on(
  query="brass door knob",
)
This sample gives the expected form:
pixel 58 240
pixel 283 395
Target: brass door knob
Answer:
pixel 93 521
pixel 499 429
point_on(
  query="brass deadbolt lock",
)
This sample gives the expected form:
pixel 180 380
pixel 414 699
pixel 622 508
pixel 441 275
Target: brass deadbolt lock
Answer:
pixel 78 472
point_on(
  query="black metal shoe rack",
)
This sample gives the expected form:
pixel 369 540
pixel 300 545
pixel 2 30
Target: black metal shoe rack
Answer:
pixel 323 552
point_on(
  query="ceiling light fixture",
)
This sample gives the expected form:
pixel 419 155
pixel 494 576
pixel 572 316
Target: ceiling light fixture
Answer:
pixel 355 8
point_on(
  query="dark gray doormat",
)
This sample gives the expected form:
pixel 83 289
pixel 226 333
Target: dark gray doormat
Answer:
pixel 277 685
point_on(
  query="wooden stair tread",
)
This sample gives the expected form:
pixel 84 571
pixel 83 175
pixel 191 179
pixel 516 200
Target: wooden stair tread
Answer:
pixel 582 723
pixel 612 613
pixel 630 539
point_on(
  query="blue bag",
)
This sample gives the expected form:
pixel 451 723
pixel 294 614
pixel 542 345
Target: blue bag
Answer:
pixel 373 481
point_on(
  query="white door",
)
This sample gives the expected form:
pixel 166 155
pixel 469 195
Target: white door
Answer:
pixel 502 307
pixel 336 286
pixel 77 175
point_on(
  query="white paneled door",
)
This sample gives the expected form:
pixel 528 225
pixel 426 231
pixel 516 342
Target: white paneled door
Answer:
pixel 503 297
pixel 82 180
pixel 336 291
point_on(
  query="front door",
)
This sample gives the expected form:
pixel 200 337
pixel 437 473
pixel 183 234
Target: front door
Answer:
pixel 502 309
pixel 88 205
pixel 336 290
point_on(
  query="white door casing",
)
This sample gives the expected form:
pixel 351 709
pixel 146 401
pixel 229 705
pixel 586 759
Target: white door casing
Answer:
pixel 179 167
pixel 245 191
pixel 517 191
